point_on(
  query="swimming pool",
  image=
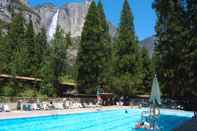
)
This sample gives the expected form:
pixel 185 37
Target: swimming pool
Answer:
pixel 114 120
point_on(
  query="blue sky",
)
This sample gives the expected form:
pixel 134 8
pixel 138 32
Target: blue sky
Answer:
pixel 144 15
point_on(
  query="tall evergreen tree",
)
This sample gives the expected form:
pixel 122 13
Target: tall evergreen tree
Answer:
pixel 71 70
pixel 87 60
pixel 171 47
pixel 128 64
pixel 3 53
pixel 192 43
pixel 58 58
pixel 41 51
pixel 16 36
pixel 105 48
pixel 30 48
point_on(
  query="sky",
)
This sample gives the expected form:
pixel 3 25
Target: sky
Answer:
pixel 144 15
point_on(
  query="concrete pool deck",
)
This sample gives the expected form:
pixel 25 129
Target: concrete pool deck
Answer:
pixel 29 114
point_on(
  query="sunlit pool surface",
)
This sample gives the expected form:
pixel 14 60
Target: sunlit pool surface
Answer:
pixel 114 120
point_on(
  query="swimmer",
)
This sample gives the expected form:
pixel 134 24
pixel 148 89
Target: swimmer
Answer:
pixel 126 111
pixel 140 125
pixel 145 125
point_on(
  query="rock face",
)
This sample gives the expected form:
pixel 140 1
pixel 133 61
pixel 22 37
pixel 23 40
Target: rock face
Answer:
pixel 5 6
pixel 71 17
pixel 148 43
pixel 8 6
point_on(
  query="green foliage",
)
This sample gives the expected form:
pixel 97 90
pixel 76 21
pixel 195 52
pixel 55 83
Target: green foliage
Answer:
pixel 19 90
pixel 56 63
pixel 87 57
pixel 127 69
pixel 29 45
pixel 95 51
pixel 30 93
pixel 41 52
pixel 22 52
pixel 68 40
pixel 16 45
pixel 191 56
pixel 7 90
pixel 148 70
pixel 27 93
pixel 176 46
pixel 127 58
pixel 3 53
pixel 105 48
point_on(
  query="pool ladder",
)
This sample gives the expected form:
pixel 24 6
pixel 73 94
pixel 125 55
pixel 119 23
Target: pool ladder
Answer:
pixel 145 116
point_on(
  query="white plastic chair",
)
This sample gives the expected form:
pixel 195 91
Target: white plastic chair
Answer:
pixel 59 106
pixel 6 108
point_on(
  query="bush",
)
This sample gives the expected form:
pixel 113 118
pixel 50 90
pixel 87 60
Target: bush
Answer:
pixel 7 90
pixel 27 93
pixel 30 93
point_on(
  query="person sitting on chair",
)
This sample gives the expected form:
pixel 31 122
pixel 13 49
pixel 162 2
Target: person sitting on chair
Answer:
pixel 195 115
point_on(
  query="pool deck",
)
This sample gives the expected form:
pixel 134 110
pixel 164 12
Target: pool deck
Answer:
pixel 29 114
pixel 190 125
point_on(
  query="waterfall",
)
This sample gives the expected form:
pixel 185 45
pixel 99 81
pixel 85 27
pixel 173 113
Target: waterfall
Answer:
pixel 53 26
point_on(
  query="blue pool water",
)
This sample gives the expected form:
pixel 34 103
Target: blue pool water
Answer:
pixel 114 120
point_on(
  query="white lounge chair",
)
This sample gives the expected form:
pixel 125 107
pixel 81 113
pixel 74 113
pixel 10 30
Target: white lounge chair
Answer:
pixel 59 106
pixel 91 105
pixel 85 105
pixel 67 104
pixel 6 108
pixel 74 106
pixel 45 106
pixel 35 106
pixel 1 108
pixel 80 105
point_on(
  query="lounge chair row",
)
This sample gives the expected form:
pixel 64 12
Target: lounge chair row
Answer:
pixel 55 105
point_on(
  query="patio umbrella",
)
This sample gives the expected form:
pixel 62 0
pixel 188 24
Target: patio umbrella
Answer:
pixel 98 95
pixel 155 93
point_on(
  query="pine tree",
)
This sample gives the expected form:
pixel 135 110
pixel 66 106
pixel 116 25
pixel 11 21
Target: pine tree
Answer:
pixel 3 53
pixel 128 64
pixel 88 57
pixel 105 48
pixel 171 46
pixel 16 31
pixel 41 51
pixel 16 36
pixel 71 70
pixel 58 58
pixel 31 63
pixel 191 89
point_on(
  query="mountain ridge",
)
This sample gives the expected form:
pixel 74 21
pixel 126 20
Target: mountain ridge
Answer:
pixel 148 43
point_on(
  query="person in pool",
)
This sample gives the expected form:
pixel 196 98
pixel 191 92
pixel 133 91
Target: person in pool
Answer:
pixel 144 125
